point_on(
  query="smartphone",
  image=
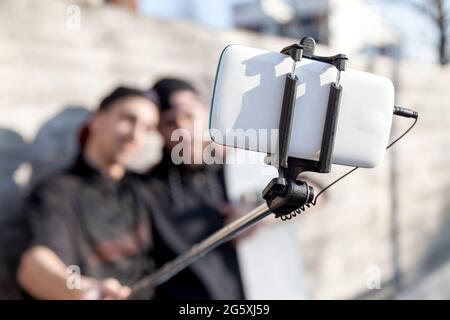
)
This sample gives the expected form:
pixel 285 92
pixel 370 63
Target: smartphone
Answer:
pixel 248 94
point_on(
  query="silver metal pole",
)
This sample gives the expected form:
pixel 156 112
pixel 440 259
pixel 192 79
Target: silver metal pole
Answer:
pixel 200 249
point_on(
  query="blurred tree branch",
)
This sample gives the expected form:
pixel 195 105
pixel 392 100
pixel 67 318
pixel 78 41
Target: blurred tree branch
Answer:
pixel 439 13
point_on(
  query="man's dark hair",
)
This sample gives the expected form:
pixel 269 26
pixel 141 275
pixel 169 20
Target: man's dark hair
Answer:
pixel 106 103
pixel 165 87
pixel 125 92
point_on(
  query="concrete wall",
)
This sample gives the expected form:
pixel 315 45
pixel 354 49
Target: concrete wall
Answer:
pixel 395 217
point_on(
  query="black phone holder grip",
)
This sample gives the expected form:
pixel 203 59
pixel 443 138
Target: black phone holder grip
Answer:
pixel 285 193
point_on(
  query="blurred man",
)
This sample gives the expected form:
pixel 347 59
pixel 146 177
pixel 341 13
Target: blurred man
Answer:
pixel 88 227
pixel 192 200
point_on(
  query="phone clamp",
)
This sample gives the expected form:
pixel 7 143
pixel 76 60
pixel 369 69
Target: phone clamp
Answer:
pixel 286 195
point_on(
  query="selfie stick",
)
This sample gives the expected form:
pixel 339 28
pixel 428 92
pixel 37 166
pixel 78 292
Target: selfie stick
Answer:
pixel 197 251
pixel 285 196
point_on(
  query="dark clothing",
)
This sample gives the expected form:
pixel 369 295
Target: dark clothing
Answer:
pixel 94 222
pixel 185 211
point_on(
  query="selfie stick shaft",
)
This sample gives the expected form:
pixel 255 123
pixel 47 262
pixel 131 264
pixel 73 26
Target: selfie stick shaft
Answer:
pixel 228 232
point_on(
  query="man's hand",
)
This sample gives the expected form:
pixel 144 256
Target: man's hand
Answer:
pixel 108 289
pixel 44 275
pixel 111 289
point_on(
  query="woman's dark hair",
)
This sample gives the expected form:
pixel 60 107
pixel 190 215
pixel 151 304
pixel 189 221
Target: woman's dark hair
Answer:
pixel 165 87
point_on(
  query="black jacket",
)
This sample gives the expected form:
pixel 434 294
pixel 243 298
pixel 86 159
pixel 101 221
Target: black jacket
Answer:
pixel 88 220
pixel 185 211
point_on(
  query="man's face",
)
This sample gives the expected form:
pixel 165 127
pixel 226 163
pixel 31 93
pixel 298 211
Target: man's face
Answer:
pixel 121 130
pixel 187 112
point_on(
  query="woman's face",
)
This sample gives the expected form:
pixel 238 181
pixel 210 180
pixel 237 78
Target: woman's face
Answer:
pixel 189 114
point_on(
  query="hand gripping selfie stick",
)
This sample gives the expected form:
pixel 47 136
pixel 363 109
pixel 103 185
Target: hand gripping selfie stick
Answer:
pixel 285 196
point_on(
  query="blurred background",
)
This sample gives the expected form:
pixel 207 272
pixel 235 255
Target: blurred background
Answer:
pixel 382 233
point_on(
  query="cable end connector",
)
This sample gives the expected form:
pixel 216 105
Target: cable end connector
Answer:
pixel 404 112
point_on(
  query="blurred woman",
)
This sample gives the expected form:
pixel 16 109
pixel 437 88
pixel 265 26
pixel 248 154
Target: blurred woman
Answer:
pixel 191 200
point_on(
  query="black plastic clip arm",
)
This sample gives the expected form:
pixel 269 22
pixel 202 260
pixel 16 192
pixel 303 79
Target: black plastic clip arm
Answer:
pixel 306 49
pixel 295 51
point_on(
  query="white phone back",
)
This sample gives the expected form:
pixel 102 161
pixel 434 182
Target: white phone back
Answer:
pixel 248 93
